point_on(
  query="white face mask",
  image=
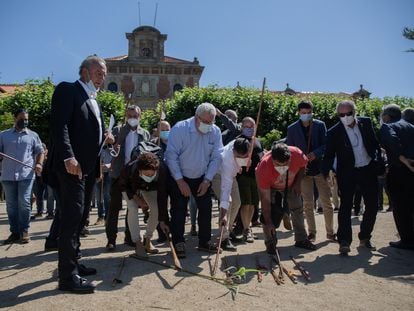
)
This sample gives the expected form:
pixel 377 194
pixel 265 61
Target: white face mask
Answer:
pixel 204 128
pixel 242 161
pixel 347 120
pixel 148 179
pixel 91 86
pixel 282 169
pixel 133 122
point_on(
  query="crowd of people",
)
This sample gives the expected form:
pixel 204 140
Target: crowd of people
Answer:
pixel 177 173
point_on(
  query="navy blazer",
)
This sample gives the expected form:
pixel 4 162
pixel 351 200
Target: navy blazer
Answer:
pixel 397 139
pixel 74 128
pixel 296 137
pixel 338 145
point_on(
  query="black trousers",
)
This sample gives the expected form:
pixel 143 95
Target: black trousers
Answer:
pixel 366 179
pixel 74 198
pixel 179 209
pixel 400 182
pixel 115 205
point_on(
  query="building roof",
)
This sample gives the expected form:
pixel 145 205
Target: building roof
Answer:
pixel 8 88
pixel 166 59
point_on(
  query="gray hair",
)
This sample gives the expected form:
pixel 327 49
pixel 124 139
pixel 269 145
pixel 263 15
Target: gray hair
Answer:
pixel 206 107
pixel 133 107
pixel 348 103
pixel 91 60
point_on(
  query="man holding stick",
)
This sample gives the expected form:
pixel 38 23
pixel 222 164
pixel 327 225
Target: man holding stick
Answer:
pixel 22 153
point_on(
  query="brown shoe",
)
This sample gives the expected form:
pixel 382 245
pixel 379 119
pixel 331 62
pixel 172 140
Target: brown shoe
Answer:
pixel 149 248
pixel 140 249
pixel 24 238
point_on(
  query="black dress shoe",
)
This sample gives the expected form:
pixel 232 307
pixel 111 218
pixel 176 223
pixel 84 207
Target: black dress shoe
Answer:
pixel 402 245
pixel 228 246
pixel 76 285
pixel 84 271
pixel 51 245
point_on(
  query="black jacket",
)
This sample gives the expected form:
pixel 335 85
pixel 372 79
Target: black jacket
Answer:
pixel 338 145
pixel 74 129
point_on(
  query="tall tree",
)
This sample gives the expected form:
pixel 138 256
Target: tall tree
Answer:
pixel 409 34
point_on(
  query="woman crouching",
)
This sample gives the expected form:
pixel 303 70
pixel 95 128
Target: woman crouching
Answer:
pixel 143 183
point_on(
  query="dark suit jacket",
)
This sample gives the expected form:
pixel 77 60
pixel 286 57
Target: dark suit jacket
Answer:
pixel 338 145
pixel 295 137
pixel 74 129
pixel 398 139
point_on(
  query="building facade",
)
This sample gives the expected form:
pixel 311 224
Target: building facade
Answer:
pixel 146 75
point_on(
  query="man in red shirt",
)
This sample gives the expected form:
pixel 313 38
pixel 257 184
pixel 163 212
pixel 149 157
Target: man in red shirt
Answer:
pixel 279 175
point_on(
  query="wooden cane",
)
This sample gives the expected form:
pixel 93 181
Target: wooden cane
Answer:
pixel 159 124
pixel 213 272
pixel 256 125
pixel 15 160
pixel 176 261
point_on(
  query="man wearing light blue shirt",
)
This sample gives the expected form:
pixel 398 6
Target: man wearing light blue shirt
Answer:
pixel 193 158
pixel 24 145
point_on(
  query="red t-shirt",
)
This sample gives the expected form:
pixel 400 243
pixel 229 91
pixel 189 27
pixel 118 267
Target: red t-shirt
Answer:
pixel 267 177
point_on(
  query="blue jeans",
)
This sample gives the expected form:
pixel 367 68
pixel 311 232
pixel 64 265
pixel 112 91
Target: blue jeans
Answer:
pixel 103 208
pixel 18 196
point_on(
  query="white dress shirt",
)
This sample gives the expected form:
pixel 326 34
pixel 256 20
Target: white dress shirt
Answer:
pixel 360 153
pixel 228 170
pixel 94 104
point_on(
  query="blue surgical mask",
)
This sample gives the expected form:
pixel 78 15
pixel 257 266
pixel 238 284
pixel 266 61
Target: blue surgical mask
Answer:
pixel 305 117
pixel 204 128
pixel 164 135
pixel 148 179
pixel 248 131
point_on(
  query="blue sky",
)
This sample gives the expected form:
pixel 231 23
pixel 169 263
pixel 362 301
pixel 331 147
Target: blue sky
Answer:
pixel 314 45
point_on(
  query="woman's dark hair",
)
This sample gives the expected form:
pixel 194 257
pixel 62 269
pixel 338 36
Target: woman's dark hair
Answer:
pixel 148 161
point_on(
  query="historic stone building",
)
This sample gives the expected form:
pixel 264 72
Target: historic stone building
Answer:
pixel 146 75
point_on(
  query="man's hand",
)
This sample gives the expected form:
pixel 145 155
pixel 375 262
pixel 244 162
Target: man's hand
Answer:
pixel 311 156
pixel 73 167
pixel 141 202
pixel 184 188
pixel 202 188
pixel 223 217
pixel 164 227
pixel 109 138
pixel 38 169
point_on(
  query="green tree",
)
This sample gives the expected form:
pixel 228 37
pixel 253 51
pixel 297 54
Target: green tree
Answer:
pixel 36 95
pixel 408 33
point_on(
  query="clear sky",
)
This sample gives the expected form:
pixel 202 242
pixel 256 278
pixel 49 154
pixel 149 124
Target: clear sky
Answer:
pixel 314 45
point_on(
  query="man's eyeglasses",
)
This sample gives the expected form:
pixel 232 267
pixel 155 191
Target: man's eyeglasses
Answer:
pixel 349 113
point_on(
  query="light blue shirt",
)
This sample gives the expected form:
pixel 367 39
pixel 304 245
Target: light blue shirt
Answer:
pixel 192 154
pixel 23 146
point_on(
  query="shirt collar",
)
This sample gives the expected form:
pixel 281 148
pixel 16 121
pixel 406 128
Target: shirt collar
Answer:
pixel 25 130
pixel 92 95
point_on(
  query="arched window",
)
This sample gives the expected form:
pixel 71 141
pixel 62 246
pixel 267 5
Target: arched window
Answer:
pixel 177 87
pixel 113 87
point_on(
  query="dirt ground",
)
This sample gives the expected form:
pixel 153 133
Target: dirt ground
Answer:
pixel 381 280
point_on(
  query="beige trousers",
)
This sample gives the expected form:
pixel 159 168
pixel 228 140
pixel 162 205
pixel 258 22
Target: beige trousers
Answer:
pixel 234 204
pixel 325 199
pixel 151 198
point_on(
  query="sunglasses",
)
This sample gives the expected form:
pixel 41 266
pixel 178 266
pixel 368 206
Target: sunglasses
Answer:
pixel 350 113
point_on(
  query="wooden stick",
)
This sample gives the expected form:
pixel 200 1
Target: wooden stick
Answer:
pixel 301 269
pixel 15 160
pixel 176 261
pixel 218 252
pixel 159 125
pixel 256 125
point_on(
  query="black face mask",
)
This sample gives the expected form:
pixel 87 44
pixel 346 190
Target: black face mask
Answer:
pixel 22 124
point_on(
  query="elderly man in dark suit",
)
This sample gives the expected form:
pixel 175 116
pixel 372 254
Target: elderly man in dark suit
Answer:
pixel 397 137
pixel 77 133
pixel 352 141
